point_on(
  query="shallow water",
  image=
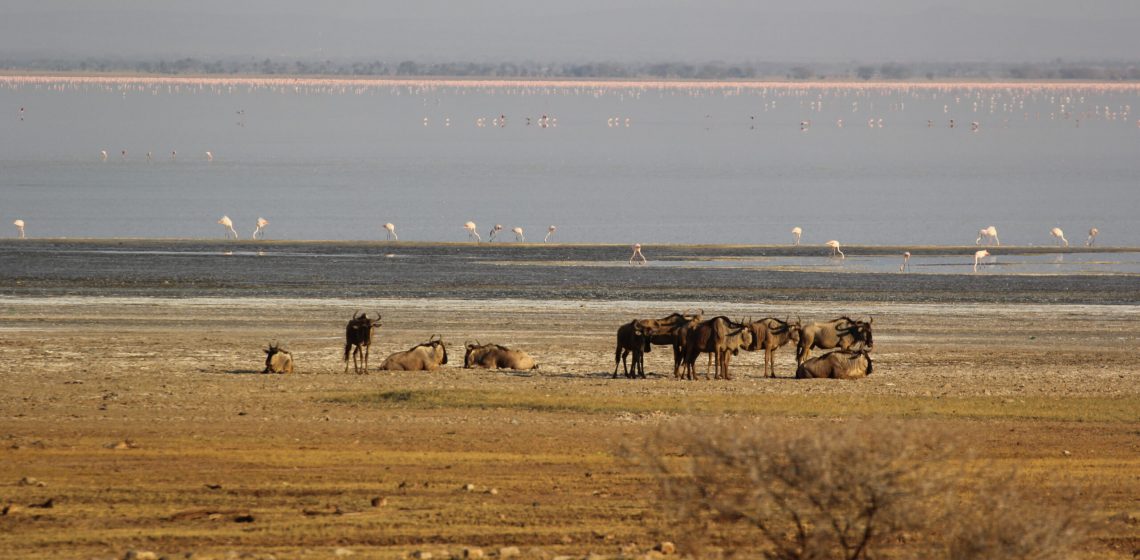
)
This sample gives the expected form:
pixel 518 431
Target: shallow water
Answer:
pixel 716 164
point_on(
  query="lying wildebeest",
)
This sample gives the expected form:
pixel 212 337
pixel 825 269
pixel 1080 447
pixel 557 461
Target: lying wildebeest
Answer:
pixel 769 335
pixel 494 356
pixel 718 336
pixel 662 332
pixel 840 364
pixel 421 357
pixel 358 338
pixel 278 360
pixel 843 333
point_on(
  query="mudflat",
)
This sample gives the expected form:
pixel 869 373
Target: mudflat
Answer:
pixel 133 418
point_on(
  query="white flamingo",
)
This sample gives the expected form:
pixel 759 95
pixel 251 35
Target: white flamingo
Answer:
pixel 19 227
pixel 835 251
pixel 471 233
pixel 173 155
pixel 519 234
pixel 491 235
pixel 905 266
pixel 209 156
pixel 391 231
pixel 103 154
pixel 259 231
pixel 549 233
pixel 124 154
pixel 989 234
pixel 1060 235
pixel 797 232
pixel 229 225
pixel 637 254
pixel 1092 237
pixel 979 256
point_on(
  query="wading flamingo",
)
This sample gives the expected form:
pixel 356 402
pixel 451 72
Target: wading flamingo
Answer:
pixel 519 234
pixel 391 231
pixel 19 227
pixel 797 232
pixel 637 254
pixel 1060 235
pixel 173 155
pixel 1092 237
pixel 259 232
pixel 124 154
pixel 989 234
pixel 549 233
pixel 471 233
pixel 979 256
pixel 229 225
pixel 835 251
pixel 103 155
pixel 494 232
pixel 905 266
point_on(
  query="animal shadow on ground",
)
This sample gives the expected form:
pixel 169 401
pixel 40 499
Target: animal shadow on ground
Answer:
pixel 238 371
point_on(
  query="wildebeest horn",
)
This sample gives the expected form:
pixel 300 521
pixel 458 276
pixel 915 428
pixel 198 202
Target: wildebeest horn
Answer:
pixel 871 320
pixel 355 315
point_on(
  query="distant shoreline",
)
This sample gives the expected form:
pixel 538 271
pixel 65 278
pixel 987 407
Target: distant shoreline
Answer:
pixel 16 78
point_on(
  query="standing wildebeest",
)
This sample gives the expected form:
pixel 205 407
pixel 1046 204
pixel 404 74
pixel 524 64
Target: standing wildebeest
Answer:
pixel 717 336
pixel 840 364
pixel 663 332
pixel 358 339
pixel 494 356
pixel 421 357
pixel 278 360
pixel 843 333
pixel 769 335
pixel 637 338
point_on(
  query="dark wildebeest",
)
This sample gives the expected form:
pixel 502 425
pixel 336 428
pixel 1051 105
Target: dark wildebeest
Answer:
pixel 769 335
pixel 358 339
pixel 494 356
pixel 278 360
pixel 421 357
pixel 636 338
pixel 843 333
pixel 662 332
pixel 840 364
pixel 717 336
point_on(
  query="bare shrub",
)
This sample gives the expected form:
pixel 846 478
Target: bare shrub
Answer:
pixel 844 491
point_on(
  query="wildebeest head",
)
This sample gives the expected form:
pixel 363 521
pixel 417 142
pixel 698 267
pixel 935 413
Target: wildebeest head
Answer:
pixel 860 331
pixel 277 360
pixel 642 336
pixel 436 342
pixel 471 348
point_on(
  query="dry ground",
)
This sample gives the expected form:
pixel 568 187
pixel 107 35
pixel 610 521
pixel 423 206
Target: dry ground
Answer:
pixel 149 428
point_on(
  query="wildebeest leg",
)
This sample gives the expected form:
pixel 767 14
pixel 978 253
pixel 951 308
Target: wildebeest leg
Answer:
pixel 347 348
pixel 769 362
pixel 676 361
pixel 367 347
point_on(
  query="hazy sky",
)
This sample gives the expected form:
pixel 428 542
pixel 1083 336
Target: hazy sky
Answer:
pixel 577 30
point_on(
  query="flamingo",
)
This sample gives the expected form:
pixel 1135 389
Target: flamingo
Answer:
pixel 209 156
pixel 259 232
pixel 637 254
pixel 19 227
pixel 835 249
pixel 173 155
pixel 906 262
pixel 471 233
pixel 1092 237
pixel 149 156
pixel 1060 235
pixel 549 233
pixel 494 232
pixel 229 225
pixel 797 232
pixel 519 234
pixel 979 256
pixel 989 234
pixel 103 154
pixel 391 231
pixel 124 154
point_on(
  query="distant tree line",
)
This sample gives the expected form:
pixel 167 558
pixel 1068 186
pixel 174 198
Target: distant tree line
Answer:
pixel 1054 70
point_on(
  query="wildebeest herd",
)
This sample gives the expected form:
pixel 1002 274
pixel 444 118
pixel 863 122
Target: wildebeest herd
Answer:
pixel 688 334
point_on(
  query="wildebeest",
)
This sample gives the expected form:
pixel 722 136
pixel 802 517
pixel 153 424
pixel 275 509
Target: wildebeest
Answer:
pixel 662 332
pixel 843 333
pixel 278 360
pixel 717 336
pixel 633 337
pixel 840 364
pixel 358 339
pixel 494 356
pixel 770 334
pixel 421 357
